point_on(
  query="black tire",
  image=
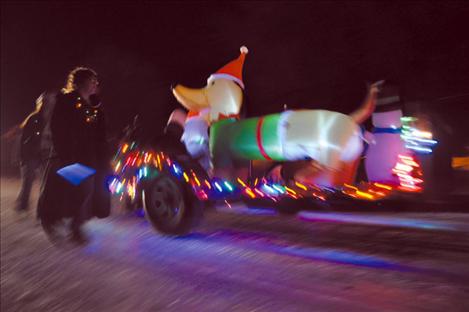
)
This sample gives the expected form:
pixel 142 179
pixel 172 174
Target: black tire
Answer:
pixel 170 205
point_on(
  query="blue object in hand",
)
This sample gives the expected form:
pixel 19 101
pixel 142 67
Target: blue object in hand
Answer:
pixel 76 173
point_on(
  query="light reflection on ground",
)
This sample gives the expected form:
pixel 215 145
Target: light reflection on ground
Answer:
pixel 374 220
pixel 212 242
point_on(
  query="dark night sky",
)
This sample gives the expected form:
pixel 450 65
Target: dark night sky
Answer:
pixel 312 55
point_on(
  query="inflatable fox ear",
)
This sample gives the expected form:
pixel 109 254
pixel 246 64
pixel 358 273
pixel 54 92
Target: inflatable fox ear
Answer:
pixel 233 70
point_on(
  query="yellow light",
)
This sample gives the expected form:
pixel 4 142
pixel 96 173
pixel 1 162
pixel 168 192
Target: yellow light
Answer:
pixel 460 163
pixel 301 186
pixel 423 134
pixel 405 157
pixel 387 187
pixel 402 167
pixel 290 190
pixel 351 186
pixel 159 162
pixel 365 195
pixel 250 193
pixel 196 180
pixel 241 182
pixel 125 148
pixel 185 177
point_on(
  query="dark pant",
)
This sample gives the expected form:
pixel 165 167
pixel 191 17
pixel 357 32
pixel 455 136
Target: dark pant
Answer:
pixel 28 173
pixel 60 199
pixel 82 196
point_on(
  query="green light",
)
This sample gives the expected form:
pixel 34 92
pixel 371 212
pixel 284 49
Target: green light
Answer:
pixel 408 119
pixel 228 186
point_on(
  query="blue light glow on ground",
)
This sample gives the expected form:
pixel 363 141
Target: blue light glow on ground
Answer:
pixel 267 243
pixel 374 220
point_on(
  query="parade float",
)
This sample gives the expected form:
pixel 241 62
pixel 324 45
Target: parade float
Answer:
pixel 278 158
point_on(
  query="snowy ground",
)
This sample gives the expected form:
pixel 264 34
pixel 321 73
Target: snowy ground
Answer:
pixel 240 260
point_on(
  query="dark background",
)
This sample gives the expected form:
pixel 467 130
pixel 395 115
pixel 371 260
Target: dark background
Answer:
pixel 311 55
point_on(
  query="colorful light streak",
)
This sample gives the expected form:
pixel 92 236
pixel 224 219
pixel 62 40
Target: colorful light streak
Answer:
pixel 416 140
pixel 142 162
pixel 219 188
pixel 407 170
pixel 140 165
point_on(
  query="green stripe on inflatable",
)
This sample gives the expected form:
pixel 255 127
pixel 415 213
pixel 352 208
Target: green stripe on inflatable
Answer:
pixel 270 140
pixel 238 138
pixel 243 143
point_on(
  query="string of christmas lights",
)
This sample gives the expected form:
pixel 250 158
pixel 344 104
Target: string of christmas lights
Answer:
pixel 132 165
pixel 417 140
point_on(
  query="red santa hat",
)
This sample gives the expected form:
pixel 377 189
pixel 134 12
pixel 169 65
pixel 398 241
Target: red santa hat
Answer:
pixel 233 70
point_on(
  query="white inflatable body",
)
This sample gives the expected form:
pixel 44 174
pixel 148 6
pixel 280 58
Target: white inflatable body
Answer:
pixel 195 138
pixel 325 136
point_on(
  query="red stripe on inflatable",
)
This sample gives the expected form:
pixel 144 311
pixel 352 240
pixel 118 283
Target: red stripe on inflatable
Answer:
pixel 259 138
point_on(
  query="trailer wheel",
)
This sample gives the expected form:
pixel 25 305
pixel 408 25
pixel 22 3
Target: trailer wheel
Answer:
pixel 170 205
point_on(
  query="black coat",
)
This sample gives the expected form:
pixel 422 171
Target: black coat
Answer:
pixel 79 132
pixel 30 142
pixel 78 136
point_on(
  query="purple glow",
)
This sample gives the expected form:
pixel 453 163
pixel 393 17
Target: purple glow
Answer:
pixel 373 220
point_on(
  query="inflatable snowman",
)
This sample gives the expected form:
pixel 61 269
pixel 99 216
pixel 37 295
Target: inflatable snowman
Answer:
pixel 383 154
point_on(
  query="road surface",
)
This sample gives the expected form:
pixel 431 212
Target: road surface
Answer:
pixel 240 260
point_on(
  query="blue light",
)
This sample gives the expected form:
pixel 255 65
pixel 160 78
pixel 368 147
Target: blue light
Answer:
pixel 176 169
pixel 218 186
pixel 344 257
pixel 258 242
pixel 119 187
pixel 278 188
pixel 269 189
pixel 228 186
pixel 374 220
pixel 419 149
pixel 140 212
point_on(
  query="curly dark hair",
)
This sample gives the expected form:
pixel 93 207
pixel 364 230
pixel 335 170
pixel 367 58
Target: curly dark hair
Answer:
pixel 77 77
